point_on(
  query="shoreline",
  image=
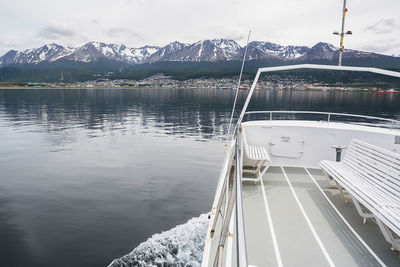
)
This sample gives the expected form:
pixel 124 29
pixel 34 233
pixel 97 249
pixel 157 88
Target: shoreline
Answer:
pixel 327 90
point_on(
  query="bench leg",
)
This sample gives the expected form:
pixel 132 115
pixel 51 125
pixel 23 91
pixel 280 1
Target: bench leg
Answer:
pixel 387 233
pixel 341 190
pixel 258 172
pixel 263 171
pixel 360 211
pixel 252 171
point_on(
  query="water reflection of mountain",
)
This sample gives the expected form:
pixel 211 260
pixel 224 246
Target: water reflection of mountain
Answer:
pixel 202 113
pixel 193 112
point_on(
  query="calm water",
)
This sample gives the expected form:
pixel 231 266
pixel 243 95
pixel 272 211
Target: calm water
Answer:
pixel 87 175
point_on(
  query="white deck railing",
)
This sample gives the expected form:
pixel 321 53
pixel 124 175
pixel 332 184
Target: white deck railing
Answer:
pixel 241 254
pixel 310 66
pixel 234 199
pixel 330 115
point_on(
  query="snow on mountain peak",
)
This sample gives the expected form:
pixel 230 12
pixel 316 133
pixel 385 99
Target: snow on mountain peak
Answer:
pixel 204 50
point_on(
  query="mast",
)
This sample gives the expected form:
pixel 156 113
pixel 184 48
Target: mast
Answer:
pixel 342 33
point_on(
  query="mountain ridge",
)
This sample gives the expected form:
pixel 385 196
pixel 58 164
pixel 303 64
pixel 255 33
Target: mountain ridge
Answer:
pixel 213 50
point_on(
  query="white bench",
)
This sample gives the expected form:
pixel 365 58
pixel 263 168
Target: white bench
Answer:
pixel 371 176
pixel 258 153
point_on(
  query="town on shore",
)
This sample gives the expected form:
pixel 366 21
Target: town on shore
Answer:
pixel 162 81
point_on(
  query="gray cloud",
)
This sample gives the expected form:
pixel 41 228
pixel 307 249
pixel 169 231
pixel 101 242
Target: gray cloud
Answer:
pixel 383 26
pixel 233 33
pixel 140 22
pixel 234 36
pixel 123 32
pixel 122 35
pixel 54 32
pixel 383 46
pixel 8 46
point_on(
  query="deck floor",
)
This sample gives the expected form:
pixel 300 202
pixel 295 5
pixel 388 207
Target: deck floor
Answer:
pixel 289 222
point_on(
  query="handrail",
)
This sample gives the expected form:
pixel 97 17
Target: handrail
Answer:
pixel 329 114
pixel 234 199
pixel 241 252
pixel 309 66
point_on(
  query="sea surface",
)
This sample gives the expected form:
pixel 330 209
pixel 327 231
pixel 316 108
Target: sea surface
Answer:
pixel 90 175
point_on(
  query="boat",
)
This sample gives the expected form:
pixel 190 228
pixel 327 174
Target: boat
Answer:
pixel 307 188
pixel 391 91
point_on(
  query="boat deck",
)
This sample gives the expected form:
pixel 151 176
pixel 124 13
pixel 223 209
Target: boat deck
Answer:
pixel 295 217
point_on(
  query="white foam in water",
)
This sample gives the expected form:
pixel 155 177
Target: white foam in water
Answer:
pixel 181 246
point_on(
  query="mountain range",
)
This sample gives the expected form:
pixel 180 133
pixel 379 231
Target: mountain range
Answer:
pixel 202 51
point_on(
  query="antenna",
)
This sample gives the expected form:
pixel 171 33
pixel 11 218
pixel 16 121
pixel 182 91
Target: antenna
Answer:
pixel 342 33
pixel 238 85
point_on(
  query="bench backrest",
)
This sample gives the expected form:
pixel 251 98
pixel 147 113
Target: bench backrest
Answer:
pixel 375 163
pixel 254 152
pixel 247 148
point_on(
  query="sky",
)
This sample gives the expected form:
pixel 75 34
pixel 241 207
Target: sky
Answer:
pixel 27 24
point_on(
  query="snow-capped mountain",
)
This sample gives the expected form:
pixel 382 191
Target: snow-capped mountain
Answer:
pixel 8 58
pixel 324 51
pixel 320 51
pixel 90 52
pixel 49 53
pixel 94 50
pixel 209 50
pixel 265 50
pixel 206 50
pixel 166 53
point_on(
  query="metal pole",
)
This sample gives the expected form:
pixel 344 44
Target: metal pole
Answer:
pixel 248 98
pixel 238 86
pixel 342 34
pixel 241 253
pixel 225 226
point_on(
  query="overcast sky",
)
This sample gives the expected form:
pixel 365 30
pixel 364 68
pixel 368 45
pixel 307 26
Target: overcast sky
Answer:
pixel 27 23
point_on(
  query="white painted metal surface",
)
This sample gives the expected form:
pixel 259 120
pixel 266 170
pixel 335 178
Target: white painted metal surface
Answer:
pixel 298 144
pixel 255 152
pixel 241 250
pixel 331 116
pixel 310 66
pixel 285 139
pixel 219 197
pixel 372 177
pixel 258 154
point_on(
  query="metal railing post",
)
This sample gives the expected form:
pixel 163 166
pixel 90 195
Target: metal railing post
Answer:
pixel 241 252
pixel 235 199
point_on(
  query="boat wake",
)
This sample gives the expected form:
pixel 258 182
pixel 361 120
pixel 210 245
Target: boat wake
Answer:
pixel 180 246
